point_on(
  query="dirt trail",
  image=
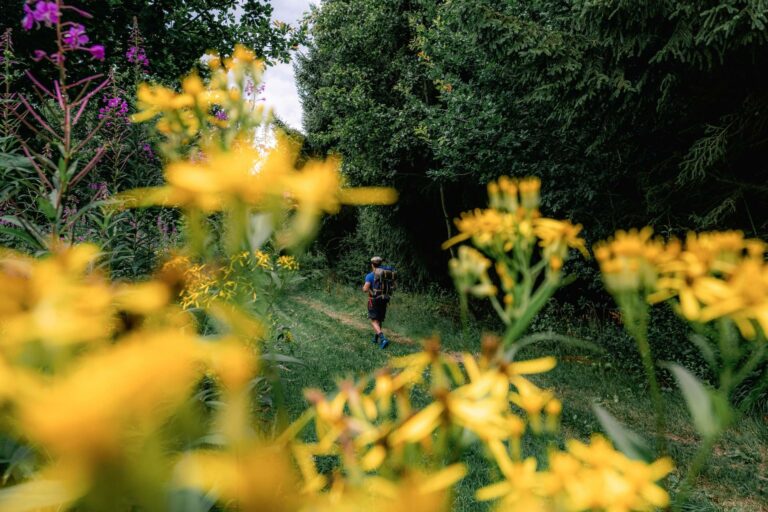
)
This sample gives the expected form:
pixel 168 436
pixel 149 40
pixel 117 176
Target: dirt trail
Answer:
pixel 349 320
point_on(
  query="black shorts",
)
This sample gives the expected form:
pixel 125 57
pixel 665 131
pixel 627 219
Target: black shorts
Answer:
pixel 377 309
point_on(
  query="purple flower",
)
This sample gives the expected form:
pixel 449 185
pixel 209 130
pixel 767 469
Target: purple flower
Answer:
pixel 220 115
pixel 101 190
pixel 28 21
pixel 75 36
pixel 115 109
pixel 147 150
pixel 47 12
pixel 97 52
pixel 137 55
pixel 38 55
pixel 44 12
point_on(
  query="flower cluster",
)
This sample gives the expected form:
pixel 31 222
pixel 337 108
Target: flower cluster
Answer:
pixel 584 477
pixel 710 275
pixel 114 110
pixel 44 12
pixel 137 55
pixel 287 262
pixel 91 371
pixel 101 190
pixel 202 285
pixel 389 446
pixel 72 36
pixel 192 113
pixel 510 231
pixel 226 172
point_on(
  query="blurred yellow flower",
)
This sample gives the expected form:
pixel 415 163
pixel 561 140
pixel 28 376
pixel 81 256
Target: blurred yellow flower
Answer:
pixel 630 261
pixel 255 478
pixel 287 262
pixel 54 300
pixel 112 395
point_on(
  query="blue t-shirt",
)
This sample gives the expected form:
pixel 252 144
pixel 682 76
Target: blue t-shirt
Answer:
pixel 369 278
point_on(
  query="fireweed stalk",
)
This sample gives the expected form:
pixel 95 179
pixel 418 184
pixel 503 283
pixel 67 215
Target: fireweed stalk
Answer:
pixel 71 98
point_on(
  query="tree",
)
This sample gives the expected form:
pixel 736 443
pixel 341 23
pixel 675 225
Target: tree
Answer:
pixel 631 114
pixel 176 32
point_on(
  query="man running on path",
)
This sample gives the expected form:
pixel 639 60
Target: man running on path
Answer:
pixel 377 306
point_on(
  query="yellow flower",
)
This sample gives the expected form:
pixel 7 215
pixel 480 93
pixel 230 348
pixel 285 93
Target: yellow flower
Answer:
pixel 287 262
pixel 232 477
pixel 55 300
pixel 442 369
pixel 609 480
pixel 521 488
pixel 743 297
pixel 486 228
pixel 531 399
pixel 529 193
pixel 556 236
pixel 630 261
pixel 216 180
pixel 263 260
pixel 718 274
pixel 470 272
pixel 112 394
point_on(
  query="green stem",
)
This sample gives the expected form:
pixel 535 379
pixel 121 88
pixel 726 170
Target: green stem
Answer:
pixel 523 321
pixel 499 310
pixel 638 328
pixel 694 470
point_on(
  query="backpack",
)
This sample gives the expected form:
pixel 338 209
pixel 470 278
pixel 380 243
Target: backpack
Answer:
pixel 384 282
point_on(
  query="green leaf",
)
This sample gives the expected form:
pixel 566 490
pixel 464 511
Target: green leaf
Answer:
pixel 11 161
pixel 549 337
pixel 46 208
pixel 698 400
pixel 281 358
pixel 20 235
pixel 629 443
pixel 705 349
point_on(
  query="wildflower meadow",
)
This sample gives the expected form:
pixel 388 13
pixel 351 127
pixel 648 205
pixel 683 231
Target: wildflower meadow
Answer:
pixel 182 326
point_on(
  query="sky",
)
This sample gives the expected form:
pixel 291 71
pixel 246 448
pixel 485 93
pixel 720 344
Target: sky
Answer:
pixel 279 82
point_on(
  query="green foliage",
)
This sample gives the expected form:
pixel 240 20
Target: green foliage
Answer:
pixel 333 347
pixel 176 32
pixel 632 114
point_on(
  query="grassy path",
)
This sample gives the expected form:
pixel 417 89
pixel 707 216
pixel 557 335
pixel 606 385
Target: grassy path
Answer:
pixel 350 321
pixel 332 338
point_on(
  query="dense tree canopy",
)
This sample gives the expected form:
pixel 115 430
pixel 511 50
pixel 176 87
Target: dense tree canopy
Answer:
pixel 175 32
pixel 631 114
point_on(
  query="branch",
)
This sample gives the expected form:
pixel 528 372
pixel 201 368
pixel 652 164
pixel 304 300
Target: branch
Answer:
pixel 39 85
pixel 99 154
pixel 37 117
pixel 39 171
pixel 90 94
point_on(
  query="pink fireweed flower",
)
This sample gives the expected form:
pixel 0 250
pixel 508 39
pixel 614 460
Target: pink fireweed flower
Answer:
pixel 115 110
pixel 47 12
pixel 44 12
pixel 147 151
pixel 39 55
pixel 137 55
pixel 97 52
pixel 28 21
pixel 75 36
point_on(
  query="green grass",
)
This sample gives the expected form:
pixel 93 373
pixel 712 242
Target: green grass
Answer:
pixel 333 340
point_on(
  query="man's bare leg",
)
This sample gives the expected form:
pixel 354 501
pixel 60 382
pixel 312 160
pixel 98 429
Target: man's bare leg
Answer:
pixel 376 327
